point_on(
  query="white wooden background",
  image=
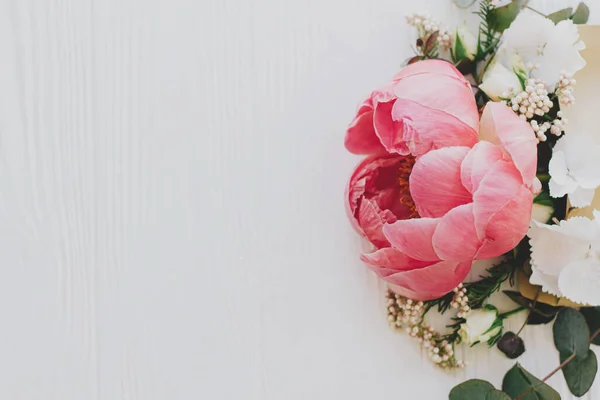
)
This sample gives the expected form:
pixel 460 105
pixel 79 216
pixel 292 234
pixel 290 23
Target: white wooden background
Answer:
pixel 171 203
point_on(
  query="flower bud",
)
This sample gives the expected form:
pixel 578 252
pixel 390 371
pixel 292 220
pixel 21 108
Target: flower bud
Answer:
pixel 497 80
pixel 542 213
pixel 511 345
pixel 465 44
pixel 481 325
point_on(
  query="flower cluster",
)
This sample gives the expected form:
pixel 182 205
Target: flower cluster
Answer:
pixel 460 301
pixel 427 25
pixel 533 104
pixel 408 314
pixel 564 89
pixel 403 311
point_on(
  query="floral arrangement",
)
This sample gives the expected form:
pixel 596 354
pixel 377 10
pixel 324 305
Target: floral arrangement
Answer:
pixel 469 156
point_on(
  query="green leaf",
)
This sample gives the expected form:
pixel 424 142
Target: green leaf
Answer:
pixel 460 51
pixel 581 14
pixel 501 17
pixel 580 373
pixel 497 395
pixel 540 314
pixel 592 317
pixel 561 15
pixel 474 389
pixel 571 333
pixel 518 381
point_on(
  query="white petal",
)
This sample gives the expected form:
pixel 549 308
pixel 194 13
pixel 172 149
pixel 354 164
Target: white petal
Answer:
pixel 558 167
pixel 580 282
pixel 559 190
pixel 498 80
pixel 581 197
pixel 554 246
pixel 548 283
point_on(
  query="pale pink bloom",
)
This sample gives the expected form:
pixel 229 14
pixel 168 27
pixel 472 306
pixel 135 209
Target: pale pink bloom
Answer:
pixel 431 207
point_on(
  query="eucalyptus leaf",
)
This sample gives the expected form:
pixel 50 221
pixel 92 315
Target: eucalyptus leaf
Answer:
pixel 518 382
pixel 580 373
pixel 592 317
pixel 561 15
pixel 581 14
pixel 497 395
pixel 501 17
pixel 571 333
pixel 474 389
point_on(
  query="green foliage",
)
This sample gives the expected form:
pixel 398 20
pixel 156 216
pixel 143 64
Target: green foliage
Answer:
pixel 497 395
pixel 474 389
pixel 481 290
pixel 571 333
pixel 592 317
pixel 580 372
pixel 581 14
pixel 561 15
pixel 540 313
pixel 572 340
pixel 499 19
pixel 518 383
pixel 488 39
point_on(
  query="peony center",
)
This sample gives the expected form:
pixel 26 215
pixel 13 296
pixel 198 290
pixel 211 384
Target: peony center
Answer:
pixel 406 166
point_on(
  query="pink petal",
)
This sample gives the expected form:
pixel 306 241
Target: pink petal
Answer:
pixel 498 187
pixel 430 282
pixel 388 261
pixel 478 163
pixel 501 126
pixel 455 237
pixel 508 226
pixel 421 129
pixel 361 137
pixel 439 67
pixel 435 182
pixel 386 127
pixel 371 219
pixel 451 95
pixel 413 237
pixel 357 185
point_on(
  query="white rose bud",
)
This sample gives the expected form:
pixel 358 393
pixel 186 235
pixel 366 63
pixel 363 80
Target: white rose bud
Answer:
pixel 465 44
pixel 497 80
pixel 481 325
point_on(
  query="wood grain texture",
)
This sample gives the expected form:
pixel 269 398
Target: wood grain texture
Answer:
pixel 171 220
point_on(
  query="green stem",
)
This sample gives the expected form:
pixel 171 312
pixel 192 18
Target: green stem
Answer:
pixel 555 370
pixel 509 313
pixel 536 11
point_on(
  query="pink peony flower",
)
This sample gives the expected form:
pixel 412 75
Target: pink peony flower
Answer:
pixel 428 105
pixel 431 207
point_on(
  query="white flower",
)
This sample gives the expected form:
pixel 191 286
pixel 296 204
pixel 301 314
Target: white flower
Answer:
pixel 533 40
pixel 565 258
pixel 499 81
pixel 481 325
pixel 575 168
pixel 464 44
pixel 542 213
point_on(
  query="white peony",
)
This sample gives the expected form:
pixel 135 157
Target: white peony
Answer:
pixel 575 168
pixel 534 40
pixel 481 325
pixel 499 80
pixel 565 258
